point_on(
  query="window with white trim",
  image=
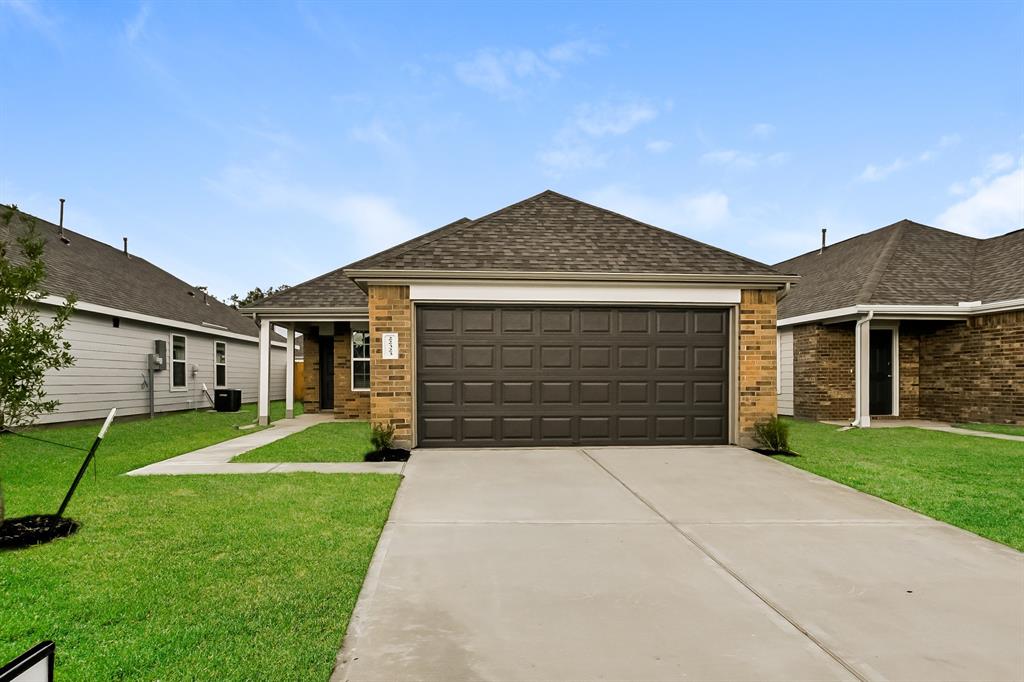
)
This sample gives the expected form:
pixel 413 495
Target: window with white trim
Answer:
pixel 360 359
pixel 220 364
pixel 179 372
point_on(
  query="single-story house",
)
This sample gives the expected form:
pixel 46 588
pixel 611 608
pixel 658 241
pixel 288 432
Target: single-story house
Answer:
pixel 906 321
pixel 550 321
pixel 127 309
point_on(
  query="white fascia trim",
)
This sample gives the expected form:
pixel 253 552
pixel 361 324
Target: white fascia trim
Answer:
pixel 406 276
pixel 943 311
pixel 566 292
pixel 83 306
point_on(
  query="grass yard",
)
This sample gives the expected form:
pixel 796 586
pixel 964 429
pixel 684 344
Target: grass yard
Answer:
pixel 974 483
pixel 329 442
pixel 1009 429
pixel 184 577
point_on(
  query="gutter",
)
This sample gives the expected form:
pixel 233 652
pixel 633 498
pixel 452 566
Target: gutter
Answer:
pixel 958 311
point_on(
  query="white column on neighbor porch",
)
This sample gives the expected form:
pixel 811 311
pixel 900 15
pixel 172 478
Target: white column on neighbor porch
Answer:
pixel 263 403
pixel 289 373
pixel 862 368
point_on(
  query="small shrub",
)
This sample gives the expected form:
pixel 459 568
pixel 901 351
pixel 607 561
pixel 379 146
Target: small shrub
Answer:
pixel 383 436
pixel 772 434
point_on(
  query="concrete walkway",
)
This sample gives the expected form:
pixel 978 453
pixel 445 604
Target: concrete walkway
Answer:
pixel 930 426
pixel 216 459
pixel 709 563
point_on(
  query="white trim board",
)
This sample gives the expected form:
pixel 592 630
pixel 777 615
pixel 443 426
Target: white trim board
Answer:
pixel 557 292
pixel 959 311
pixel 85 307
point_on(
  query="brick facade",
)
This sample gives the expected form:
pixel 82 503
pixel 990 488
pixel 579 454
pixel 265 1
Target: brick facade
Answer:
pixel 391 381
pixel 909 368
pixel 756 361
pixel 974 371
pixel 310 373
pixel 823 371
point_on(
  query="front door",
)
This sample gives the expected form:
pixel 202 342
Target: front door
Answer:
pixel 326 372
pixel 880 371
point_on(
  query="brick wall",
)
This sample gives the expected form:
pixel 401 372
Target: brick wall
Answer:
pixel 910 371
pixel 348 404
pixel 756 362
pixel 310 373
pixel 974 371
pixel 823 371
pixel 391 381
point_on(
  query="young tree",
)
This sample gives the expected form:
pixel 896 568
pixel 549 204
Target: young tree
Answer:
pixel 29 344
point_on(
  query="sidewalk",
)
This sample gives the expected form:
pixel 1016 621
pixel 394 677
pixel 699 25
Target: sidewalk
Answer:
pixel 216 459
pixel 929 426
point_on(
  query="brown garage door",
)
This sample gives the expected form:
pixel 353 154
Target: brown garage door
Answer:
pixel 553 375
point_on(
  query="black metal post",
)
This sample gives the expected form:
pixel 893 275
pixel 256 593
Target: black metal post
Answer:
pixel 85 464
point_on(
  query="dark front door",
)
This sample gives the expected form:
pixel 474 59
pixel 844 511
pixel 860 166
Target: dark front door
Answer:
pixel 501 375
pixel 880 371
pixel 326 372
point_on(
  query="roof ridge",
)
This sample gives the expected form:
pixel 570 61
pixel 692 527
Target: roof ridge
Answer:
pixel 444 231
pixel 663 230
pixel 867 289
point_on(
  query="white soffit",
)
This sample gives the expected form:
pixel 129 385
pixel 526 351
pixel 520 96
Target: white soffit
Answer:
pixel 574 292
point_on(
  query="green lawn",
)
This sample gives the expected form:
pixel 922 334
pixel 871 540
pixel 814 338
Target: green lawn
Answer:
pixel 974 483
pixel 1011 429
pixel 329 442
pixel 184 577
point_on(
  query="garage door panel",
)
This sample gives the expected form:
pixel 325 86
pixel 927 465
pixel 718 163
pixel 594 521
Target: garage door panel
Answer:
pixel 530 375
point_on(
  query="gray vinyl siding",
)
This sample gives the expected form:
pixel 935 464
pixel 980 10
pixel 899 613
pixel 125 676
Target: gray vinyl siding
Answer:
pixel 110 369
pixel 785 397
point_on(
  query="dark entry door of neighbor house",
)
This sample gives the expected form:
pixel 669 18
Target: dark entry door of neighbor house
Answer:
pixel 506 375
pixel 880 372
pixel 326 372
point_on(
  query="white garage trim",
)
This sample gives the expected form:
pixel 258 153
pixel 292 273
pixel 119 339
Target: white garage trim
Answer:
pixel 555 292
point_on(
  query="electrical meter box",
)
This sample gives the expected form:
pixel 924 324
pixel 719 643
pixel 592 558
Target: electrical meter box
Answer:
pixel 158 359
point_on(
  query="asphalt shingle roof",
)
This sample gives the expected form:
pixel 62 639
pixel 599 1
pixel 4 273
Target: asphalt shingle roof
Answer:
pixel 551 232
pixel 101 274
pixel 905 263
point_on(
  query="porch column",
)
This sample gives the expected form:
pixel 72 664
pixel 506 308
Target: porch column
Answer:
pixel 862 364
pixel 289 374
pixel 263 402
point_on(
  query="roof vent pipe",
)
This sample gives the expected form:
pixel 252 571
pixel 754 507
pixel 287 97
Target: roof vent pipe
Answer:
pixel 125 245
pixel 60 227
pixel 823 231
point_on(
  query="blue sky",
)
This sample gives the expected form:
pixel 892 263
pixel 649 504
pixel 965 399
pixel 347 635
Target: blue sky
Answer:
pixel 243 145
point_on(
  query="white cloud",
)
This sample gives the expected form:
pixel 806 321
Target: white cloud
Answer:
pixel 679 212
pixel 375 134
pixel 33 14
pixel 762 130
pixel 996 206
pixel 136 26
pixel 569 156
pixel 599 120
pixel 997 163
pixel 736 159
pixel 374 220
pixel 505 73
pixel 873 173
pixel 658 146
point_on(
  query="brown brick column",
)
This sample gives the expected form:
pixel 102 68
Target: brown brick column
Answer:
pixel 910 372
pixel 391 381
pixel 824 359
pixel 348 404
pixel 756 362
pixel 310 373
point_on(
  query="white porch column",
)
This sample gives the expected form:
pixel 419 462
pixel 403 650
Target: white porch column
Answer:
pixel 289 374
pixel 862 366
pixel 263 403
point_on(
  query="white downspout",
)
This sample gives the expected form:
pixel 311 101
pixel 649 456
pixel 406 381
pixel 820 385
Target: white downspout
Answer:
pixel 862 347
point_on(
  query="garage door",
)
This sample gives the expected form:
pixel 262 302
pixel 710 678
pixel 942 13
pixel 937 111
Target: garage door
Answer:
pixel 554 375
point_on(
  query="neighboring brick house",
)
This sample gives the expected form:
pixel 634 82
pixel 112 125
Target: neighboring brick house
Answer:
pixel 906 321
pixel 548 322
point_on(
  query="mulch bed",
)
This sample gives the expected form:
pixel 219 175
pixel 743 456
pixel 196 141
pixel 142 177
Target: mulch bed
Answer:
pixel 387 455
pixel 26 531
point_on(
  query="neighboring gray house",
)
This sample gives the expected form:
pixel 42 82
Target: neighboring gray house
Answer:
pixel 125 305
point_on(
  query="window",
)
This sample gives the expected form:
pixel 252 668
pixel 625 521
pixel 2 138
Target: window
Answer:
pixel 220 364
pixel 360 359
pixel 178 380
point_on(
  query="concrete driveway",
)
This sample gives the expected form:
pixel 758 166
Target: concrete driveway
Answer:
pixel 672 564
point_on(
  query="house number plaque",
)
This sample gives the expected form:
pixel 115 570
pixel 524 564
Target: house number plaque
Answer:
pixel 389 346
